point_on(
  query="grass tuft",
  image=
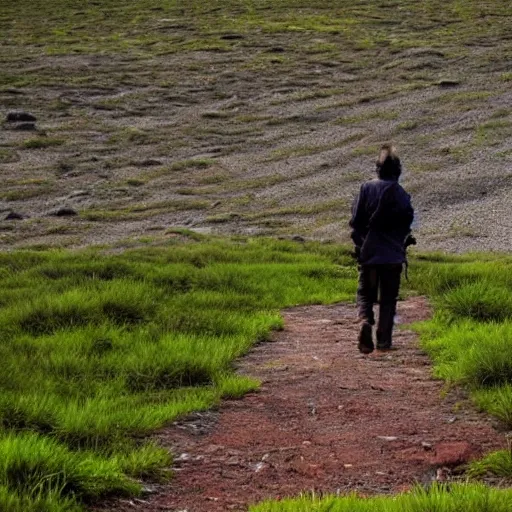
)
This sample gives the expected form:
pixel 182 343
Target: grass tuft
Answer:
pixel 438 498
pixel 479 301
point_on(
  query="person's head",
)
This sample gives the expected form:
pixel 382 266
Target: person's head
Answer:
pixel 388 163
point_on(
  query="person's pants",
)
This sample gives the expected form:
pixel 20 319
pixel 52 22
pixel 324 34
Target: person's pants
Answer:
pixel 379 283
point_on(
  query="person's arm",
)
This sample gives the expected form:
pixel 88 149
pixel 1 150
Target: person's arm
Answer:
pixel 409 219
pixel 359 220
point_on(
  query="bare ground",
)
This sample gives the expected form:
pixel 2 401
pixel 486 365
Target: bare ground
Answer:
pixel 271 137
pixel 326 419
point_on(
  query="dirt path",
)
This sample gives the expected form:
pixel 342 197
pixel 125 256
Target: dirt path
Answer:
pixel 326 419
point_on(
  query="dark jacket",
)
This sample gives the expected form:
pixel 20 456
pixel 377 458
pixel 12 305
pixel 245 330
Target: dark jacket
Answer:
pixel 381 220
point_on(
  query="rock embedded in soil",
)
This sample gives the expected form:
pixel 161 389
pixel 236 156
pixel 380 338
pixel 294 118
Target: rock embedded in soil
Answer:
pixel 232 37
pixel 64 212
pixel 79 193
pixel 446 83
pixel 14 117
pixel 149 162
pixel 14 216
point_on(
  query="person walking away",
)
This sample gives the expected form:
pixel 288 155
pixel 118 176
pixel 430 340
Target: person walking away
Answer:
pixel 381 222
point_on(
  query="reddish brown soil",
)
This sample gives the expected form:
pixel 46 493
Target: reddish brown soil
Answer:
pixel 326 419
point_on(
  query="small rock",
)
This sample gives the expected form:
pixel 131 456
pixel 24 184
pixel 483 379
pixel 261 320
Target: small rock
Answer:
pixel 216 203
pixel 388 438
pixel 213 448
pixel 64 167
pixel 64 212
pixel 14 216
pixel 298 238
pixel 426 446
pixel 20 116
pixel 232 37
pixel 259 466
pixel 128 502
pixel 448 83
pixel 148 163
pixel 443 474
pixel 78 193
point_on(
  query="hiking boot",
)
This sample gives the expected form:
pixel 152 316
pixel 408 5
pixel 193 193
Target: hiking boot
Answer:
pixel 365 342
pixel 383 342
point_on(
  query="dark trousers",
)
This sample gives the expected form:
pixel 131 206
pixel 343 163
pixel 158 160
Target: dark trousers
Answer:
pixel 379 283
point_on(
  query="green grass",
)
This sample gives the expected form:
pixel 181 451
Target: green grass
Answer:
pixel 21 194
pixel 118 346
pixel 143 210
pixel 438 498
pixel 42 142
pixel 498 463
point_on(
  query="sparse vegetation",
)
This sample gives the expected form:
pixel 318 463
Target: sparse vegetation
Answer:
pixel 42 142
pixel 8 156
pixel 244 91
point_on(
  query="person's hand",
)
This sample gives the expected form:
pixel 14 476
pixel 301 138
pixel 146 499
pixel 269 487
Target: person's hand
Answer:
pixel 410 240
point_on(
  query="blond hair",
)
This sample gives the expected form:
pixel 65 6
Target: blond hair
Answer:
pixel 388 163
pixel 387 151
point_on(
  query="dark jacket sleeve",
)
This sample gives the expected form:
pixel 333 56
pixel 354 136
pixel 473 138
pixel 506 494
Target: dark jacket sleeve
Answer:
pixel 360 219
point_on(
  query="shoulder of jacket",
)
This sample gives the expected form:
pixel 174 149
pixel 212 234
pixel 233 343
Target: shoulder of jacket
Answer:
pixel 371 183
pixel 403 191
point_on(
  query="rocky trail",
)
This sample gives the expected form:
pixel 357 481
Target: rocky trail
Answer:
pixel 326 419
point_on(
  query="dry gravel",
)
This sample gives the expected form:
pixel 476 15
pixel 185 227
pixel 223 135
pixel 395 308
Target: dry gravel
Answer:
pixel 286 147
